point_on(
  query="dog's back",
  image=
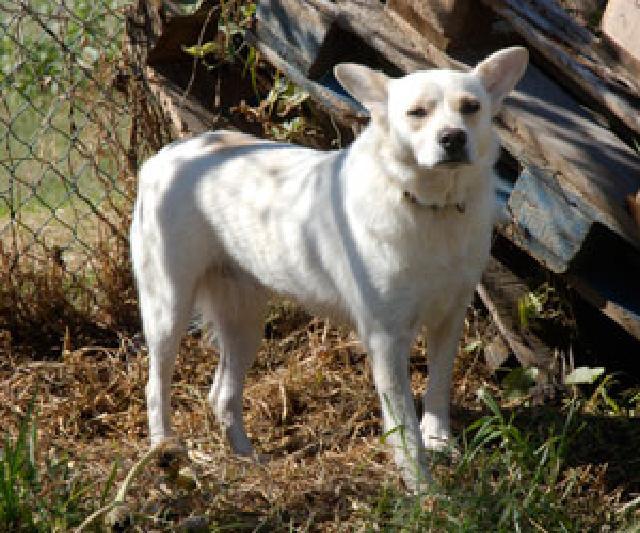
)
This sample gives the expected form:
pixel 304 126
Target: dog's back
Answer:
pixel 254 210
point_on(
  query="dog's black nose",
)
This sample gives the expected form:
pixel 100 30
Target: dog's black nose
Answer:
pixel 453 140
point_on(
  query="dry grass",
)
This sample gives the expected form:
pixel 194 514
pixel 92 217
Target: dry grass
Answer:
pixel 309 405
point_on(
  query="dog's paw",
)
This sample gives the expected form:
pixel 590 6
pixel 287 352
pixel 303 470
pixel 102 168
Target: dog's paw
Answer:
pixel 416 478
pixel 170 453
pixel 445 450
pixel 435 431
pixel 436 436
pixel 434 443
pixel 261 458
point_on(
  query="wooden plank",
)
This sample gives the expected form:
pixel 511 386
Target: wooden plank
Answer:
pixel 344 109
pixel 447 24
pixel 386 32
pixel 433 21
pixel 620 25
pixel 554 21
pixel 300 29
pixel 500 291
pixel 186 114
pixel 617 304
pixel 543 222
pixel 577 41
pixel 592 162
pixel 574 73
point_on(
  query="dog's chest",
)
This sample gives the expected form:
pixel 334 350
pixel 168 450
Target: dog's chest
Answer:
pixel 434 240
pixel 424 259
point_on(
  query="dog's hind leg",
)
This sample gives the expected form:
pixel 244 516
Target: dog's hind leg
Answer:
pixel 236 313
pixel 165 314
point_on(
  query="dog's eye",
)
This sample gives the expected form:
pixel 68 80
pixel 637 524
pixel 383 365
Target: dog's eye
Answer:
pixel 468 106
pixel 418 112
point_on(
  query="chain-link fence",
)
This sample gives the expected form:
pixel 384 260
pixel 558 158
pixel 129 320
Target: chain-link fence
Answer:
pixel 70 144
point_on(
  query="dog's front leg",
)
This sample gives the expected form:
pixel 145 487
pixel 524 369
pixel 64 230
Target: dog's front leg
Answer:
pixel 389 355
pixel 442 346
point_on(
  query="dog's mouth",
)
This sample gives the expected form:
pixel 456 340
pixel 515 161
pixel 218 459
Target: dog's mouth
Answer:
pixel 446 163
pixel 453 160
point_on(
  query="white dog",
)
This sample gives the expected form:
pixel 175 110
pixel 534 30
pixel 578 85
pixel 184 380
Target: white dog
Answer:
pixel 387 235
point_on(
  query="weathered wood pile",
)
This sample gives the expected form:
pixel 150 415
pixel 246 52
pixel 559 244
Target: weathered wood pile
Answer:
pixel 571 173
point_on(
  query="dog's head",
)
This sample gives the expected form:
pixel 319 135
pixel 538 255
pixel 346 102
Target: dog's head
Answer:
pixel 438 118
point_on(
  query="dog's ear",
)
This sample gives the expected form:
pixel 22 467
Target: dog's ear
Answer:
pixel 501 71
pixel 367 86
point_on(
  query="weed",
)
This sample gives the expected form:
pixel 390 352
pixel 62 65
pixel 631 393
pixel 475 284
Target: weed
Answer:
pixel 233 20
pixel 53 498
pixel 541 303
pixel 504 481
pixel 18 478
pixel 602 392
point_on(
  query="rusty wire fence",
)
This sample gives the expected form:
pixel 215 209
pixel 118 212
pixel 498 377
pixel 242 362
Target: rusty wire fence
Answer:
pixel 71 109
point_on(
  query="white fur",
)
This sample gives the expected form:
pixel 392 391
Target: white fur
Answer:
pixel 382 235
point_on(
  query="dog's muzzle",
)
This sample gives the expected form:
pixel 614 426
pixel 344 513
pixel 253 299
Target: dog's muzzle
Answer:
pixel 454 143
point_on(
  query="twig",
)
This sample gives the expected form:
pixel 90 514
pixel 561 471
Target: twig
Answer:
pixel 194 64
pixel 122 491
pixel 629 505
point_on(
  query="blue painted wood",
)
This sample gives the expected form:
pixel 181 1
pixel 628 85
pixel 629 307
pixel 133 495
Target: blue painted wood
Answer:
pixel 552 127
pixel 544 221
